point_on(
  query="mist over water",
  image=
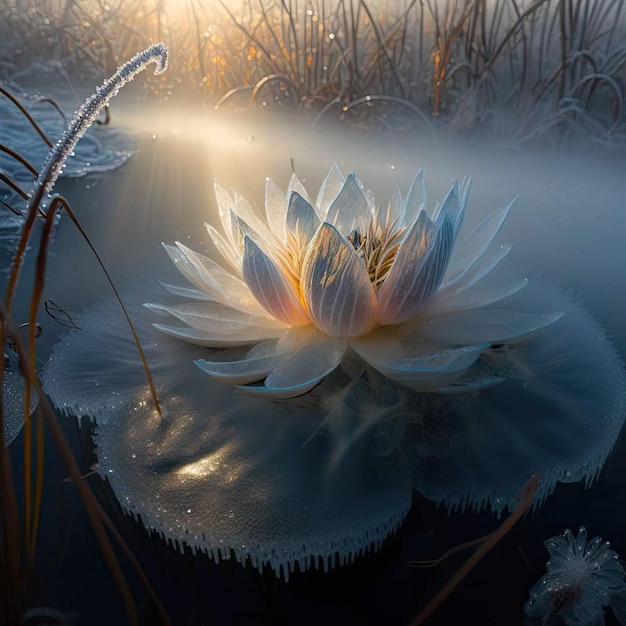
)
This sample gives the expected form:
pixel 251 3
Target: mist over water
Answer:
pixel 567 223
pixel 567 229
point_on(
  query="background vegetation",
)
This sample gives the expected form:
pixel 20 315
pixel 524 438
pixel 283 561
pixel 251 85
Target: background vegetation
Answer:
pixel 522 69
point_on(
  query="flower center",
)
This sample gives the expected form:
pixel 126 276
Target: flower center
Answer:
pixel 378 247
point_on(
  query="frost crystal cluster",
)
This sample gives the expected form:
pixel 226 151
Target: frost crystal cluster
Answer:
pixel 582 578
pixel 308 282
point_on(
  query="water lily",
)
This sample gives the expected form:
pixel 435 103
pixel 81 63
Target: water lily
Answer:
pixel 308 283
pixel 583 577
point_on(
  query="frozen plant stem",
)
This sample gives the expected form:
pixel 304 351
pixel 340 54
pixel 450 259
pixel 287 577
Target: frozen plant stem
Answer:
pixel 82 120
pixel 89 110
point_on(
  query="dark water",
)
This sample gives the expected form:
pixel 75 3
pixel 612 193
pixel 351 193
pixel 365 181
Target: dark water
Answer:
pixel 568 225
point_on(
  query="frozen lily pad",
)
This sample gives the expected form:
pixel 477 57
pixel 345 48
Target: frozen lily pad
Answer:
pixel 220 473
pixel 13 389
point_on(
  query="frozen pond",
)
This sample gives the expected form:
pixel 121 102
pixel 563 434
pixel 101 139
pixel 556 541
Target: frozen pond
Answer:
pixel 567 230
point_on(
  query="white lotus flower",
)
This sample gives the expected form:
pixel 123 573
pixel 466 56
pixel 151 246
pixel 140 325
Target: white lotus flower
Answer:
pixel 309 282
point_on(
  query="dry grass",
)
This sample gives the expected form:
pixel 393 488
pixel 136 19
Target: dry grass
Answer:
pixel 527 70
pixel 18 541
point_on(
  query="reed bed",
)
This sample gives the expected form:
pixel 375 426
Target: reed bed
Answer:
pixel 526 70
pixel 20 515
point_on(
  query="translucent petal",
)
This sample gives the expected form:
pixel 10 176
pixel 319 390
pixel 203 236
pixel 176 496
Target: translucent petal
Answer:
pixel 185 292
pixel 215 316
pixel 415 198
pixel 301 217
pixel 270 287
pixel 336 287
pixel 248 214
pixel 296 185
pixel 275 208
pixel 349 210
pixel 187 269
pixel 220 339
pixel 299 373
pixel 226 249
pixel 225 207
pixel 329 190
pixel 469 250
pixel 402 292
pixel 453 207
pixel 214 280
pixel 466 187
pixel 395 209
pixel 484 264
pixel 256 365
pixel 428 371
pixel 481 294
pixel 495 326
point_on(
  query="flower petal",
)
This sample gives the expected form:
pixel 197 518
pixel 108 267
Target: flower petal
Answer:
pixel 301 372
pixel 469 250
pixel 349 210
pixel 488 261
pixel 406 285
pixel 395 209
pixel 336 287
pixel 225 207
pixel 427 371
pixel 296 185
pixel 301 217
pixel 185 292
pixel 454 207
pixel 481 294
pixel 275 208
pixel 213 316
pixel 249 215
pixel 255 366
pixel 415 198
pixel 214 280
pixel 495 326
pixel 270 287
pixel 225 248
pixel 225 339
pixel 329 190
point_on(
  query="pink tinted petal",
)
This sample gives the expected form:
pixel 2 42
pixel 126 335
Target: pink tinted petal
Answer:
pixel 336 287
pixel 270 287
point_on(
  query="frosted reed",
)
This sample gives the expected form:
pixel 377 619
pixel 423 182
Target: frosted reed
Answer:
pixel 89 110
